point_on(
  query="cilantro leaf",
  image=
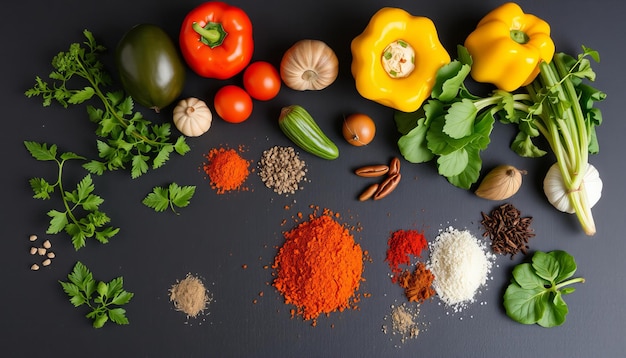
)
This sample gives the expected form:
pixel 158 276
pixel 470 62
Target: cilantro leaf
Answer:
pixel 174 195
pixel 82 287
pixel 158 199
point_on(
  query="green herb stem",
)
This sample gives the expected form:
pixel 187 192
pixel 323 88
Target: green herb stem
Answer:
pixel 93 81
pixel 568 282
pixel 69 211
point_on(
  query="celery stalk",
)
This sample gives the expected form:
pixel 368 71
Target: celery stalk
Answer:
pixel 561 121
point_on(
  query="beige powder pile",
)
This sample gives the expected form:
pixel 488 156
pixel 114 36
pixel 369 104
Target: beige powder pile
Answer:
pixel 190 296
pixel 404 322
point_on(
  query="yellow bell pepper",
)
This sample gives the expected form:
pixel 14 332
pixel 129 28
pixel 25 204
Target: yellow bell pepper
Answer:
pixel 507 47
pixel 396 58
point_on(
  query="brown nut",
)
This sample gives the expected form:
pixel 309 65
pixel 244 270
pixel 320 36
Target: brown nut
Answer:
pixel 387 186
pixel 394 166
pixel 371 171
pixel 369 192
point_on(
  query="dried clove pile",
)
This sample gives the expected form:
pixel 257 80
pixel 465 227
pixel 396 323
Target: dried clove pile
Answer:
pixel 508 231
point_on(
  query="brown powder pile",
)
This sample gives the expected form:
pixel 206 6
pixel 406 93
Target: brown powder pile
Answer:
pixel 418 284
pixel 189 296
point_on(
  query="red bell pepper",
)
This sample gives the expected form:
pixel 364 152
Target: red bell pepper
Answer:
pixel 216 40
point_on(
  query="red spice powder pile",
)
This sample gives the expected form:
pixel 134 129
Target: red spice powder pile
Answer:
pixel 401 246
pixel 319 267
pixel 226 169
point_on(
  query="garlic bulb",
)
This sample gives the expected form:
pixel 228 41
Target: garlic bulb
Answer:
pixel 309 65
pixel 192 117
pixel 556 192
pixel 501 183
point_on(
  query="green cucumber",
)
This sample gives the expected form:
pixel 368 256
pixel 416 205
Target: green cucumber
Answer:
pixel 300 127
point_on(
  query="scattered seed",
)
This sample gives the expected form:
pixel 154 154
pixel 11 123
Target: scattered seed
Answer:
pixel 51 255
pixel 34 267
pixel 41 251
pixel 46 262
pixel 33 250
pixel 47 244
pixel 33 238
pixel 281 169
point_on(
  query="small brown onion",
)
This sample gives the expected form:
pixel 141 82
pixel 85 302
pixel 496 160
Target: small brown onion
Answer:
pixel 358 129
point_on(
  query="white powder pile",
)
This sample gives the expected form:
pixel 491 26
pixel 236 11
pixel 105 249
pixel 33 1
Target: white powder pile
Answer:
pixel 461 265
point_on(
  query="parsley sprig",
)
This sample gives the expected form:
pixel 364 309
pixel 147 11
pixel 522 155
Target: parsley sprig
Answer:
pixel 99 296
pixel 93 223
pixel 128 138
pixel 174 195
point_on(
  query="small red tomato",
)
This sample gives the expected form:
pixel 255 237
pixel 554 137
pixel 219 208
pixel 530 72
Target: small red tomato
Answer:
pixel 358 129
pixel 261 80
pixel 233 104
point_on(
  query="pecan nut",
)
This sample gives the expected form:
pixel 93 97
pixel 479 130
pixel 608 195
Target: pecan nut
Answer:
pixel 387 186
pixel 371 171
pixel 368 193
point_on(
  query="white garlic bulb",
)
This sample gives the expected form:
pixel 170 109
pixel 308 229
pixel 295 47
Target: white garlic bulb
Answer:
pixel 556 192
pixel 192 117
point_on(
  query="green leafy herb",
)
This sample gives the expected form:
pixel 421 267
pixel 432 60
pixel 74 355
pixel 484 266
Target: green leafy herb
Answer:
pixel 101 297
pixel 175 195
pixel 454 125
pixel 92 224
pixel 535 294
pixel 128 138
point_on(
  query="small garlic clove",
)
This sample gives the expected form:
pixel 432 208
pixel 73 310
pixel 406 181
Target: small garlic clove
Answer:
pixel 501 183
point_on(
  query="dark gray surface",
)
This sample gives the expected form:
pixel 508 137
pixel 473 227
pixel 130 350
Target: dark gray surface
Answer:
pixel 217 234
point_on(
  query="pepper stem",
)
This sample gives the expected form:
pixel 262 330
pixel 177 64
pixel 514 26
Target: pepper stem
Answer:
pixel 519 36
pixel 212 34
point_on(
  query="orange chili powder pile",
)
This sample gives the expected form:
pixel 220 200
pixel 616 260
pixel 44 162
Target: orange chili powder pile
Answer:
pixel 401 246
pixel 319 267
pixel 226 169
